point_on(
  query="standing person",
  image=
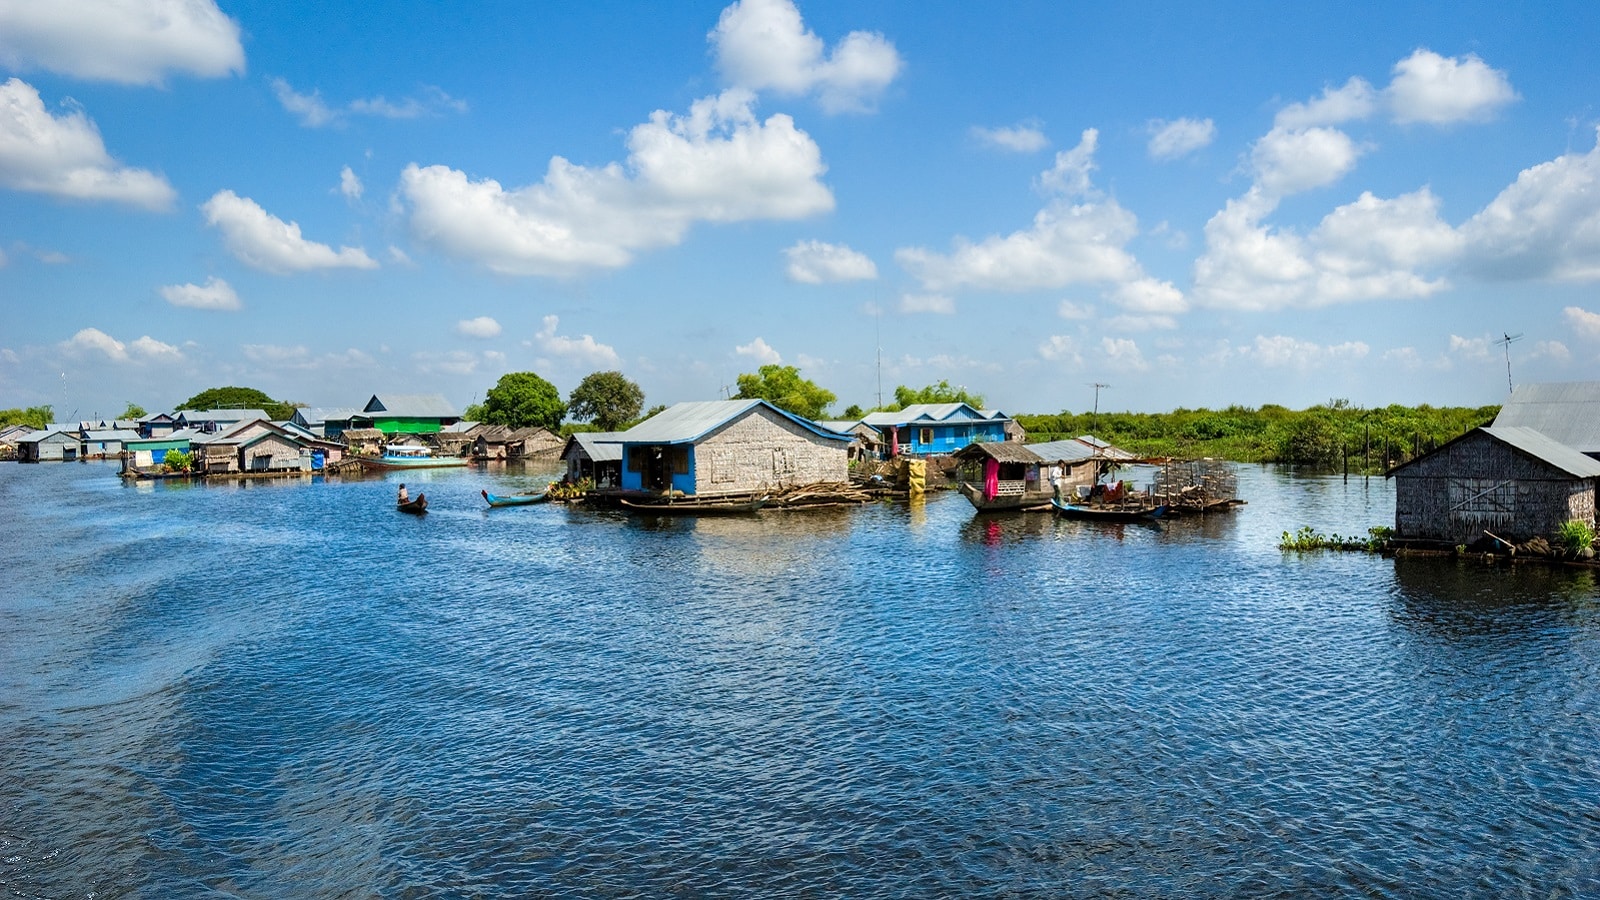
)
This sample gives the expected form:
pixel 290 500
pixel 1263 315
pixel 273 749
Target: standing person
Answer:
pixel 403 497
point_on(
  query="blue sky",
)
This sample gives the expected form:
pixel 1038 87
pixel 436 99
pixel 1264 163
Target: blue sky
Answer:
pixel 1201 205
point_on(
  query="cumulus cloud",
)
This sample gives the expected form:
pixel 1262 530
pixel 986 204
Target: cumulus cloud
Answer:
pixel 1078 237
pixel 1281 351
pixel 93 341
pixel 584 349
pixel 1473 349
pixel 64 156
pixel 1123 354
pixel 214 294
pixel 764 45
pixel 1288 161
pixel 1179 137
pixel 759 351
pixel 1439 90
pixel 314 112
pixel 266 242
pixel 349 184
pixel 1552 350
pixel 927 303
pixel 125 41
pixel 480 327
pixel 452 362
pixel 1026 138
pixel 1071 310
pixel 716 164
pixel 1061 348
pixel 814 262
pixel 1546 224
pixel 1582 321
pixel 1355 100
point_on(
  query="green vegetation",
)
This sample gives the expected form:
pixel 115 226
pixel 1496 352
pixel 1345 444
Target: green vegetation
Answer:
pixel 1308 538
pixel 33 416
pixel 178 461
pixel 238 398
pixel 1327 435
pixel 520 399
pixel 135 411
pixel 608 399
pixel 936 393
pixel 1575 536
pixel 783 387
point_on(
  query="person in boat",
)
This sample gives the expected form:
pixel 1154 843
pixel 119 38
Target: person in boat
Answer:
pixel 404 498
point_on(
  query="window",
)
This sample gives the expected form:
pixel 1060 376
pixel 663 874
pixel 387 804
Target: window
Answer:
pixel 924 435
pixel 782 462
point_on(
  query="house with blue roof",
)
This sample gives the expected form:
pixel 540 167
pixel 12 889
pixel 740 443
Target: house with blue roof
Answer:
pixel 938 429
pixel 729 447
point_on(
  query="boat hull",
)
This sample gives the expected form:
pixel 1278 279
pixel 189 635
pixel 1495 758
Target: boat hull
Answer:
pixel 429 462
pixel 690 506
pixel 416 507
pixel 1029 500
pixel 1108 513
pixel 499 500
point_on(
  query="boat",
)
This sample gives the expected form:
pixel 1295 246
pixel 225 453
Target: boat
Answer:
pixel 696 506
pixel 1023 500
pixel 514 499
pixel 410 456
pixel 1119 512
pixel 416 507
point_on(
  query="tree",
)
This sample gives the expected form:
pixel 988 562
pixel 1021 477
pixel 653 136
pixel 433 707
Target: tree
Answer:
pixel 783 387
pixel 134 411
pixel 936 393
pixel 238 398
pixel 520 399
pixel 608 399
pixel 33 416
pixel 853 412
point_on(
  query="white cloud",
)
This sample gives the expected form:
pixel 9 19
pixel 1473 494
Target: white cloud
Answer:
pixel 214 294
pixel 1061 348
pixel 1070 310
pixel 1474 349
pixel 94 341
pixel 759 351
pixel 764 45
pixel 1288 161
pixel 584 349
pixel 1546 224
pixel 1123 355
pixel 398 256
pixel 1026 138
pixel 1551 350
pixel 349 184
pixel 65 156
pixel 1068 243
pixel 1584 322
pixel 266 242
pixel 927 303
pixel 480 327
pixel 1439 90
pixel 126 41
pixel 1356 100
pixel 1141 323
pixel 814 262
pixel 1179 137
pixel 1149 296
pixel 314 112
pixel 717 164
pixel 1280 351
pixel 453 362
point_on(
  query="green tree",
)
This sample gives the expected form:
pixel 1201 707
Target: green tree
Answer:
pixel 134 411
pixel 33 416
pixel 936 393
pixel 520 399
pixel 238 398
pixel 854 412
pixel 783 387
pixel 474 412
pixel 608 399
pixel 178 461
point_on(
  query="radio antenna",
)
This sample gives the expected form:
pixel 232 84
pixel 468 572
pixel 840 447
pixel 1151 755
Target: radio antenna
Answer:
pixel 1506 341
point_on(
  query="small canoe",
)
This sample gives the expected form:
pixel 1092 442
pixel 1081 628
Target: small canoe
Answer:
pixel 692 506
pixel 417 506
pixel 1121 513
pixel 498 500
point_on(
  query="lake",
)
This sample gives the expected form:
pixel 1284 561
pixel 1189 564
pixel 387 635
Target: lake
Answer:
pixel 288 689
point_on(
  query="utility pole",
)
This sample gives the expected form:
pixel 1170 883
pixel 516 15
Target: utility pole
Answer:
pixel 1506 341
pixel 1094 418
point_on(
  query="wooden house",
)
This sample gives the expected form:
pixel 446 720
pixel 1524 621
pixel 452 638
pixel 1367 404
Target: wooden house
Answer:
pixel 258 446
pixel 499 443
pixel 362 441
pixel 595 455
pixel 1512 482
pixel 937 429
pixel 729 447
pixel 58 443
pixel 1008 475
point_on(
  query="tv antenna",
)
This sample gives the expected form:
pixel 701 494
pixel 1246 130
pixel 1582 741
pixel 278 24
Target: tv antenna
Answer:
pixel 1506 341
pixel 1096 415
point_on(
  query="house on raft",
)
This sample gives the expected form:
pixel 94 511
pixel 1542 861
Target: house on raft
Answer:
pixel 595 455
pixel 502 443
pixel 1507 482
pixel 256 447
pixel 150 452
pixel 939 429
pixel 57 443
pixel 211 421
pixel 1008 475
pixel 1567 412
pixel 406 414
pixel 106 443
pixel 717 447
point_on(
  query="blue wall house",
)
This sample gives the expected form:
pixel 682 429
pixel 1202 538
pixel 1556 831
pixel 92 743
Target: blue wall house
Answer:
pixel 730 447
pixel 937 429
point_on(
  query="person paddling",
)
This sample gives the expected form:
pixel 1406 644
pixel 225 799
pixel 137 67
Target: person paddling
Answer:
pixel 403 497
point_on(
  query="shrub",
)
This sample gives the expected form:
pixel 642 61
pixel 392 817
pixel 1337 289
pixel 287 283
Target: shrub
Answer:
pixel 178 461
pixel 1575 536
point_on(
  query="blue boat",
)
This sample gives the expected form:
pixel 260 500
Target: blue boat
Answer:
pixel 1121 512
pixel 498 500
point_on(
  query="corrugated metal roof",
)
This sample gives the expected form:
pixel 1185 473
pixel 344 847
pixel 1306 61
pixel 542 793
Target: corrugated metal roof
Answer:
pixel 1568 412
pixel 1546 448
pixel 110 434
pixel 221 415
pixel 411 406
pixel 600 446
pixel 685 423
pixel 319 415
pixel 1062 451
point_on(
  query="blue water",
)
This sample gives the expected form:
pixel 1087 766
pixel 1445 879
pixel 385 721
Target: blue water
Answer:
pixel 291 690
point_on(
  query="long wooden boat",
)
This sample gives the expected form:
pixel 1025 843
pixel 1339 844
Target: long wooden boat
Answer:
pixel 696 506
pixel 498 500
pixel 1123 512
pixel 1026 500
pixel 417 506
pixel 410 456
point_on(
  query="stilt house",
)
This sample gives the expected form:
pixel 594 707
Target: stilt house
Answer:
pixel 730 447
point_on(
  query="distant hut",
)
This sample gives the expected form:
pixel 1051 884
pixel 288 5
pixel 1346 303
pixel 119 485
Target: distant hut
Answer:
pixel 363 441
pixel 1513 482
pixel 594 455
pixel 729 447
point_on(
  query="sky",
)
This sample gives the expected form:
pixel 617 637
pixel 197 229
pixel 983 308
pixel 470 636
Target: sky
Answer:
pixel 1188 205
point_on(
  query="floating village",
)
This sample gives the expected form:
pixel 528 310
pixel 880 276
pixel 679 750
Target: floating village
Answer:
pixel 1513 487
